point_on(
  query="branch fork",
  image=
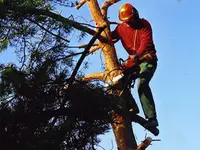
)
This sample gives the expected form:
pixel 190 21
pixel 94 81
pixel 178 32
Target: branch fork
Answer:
pixel 108 3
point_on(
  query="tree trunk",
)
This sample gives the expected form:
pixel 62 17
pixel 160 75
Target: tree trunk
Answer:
pixel 121 122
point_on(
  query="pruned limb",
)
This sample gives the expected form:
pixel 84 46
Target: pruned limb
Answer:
pixel 106 4
pixel 142 122
pixel 98 75
pixel 81 3
pixel 145 144
pixel 92 50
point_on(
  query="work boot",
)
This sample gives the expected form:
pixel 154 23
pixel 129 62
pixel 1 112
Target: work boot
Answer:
pixel 152 122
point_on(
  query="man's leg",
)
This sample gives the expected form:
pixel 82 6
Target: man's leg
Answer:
pixel 146 73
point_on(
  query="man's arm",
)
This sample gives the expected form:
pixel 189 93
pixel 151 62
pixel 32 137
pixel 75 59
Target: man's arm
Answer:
pixel 115 36
pixel 146 38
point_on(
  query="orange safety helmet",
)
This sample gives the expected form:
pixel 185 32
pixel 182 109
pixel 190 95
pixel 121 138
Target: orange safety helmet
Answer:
pixel 127 11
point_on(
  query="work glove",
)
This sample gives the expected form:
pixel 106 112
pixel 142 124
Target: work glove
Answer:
pixel 131 65
pixel 130 62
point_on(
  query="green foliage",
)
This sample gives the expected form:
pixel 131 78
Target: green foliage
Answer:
pixel 26 117
pixel 3 45
pixel 32 93
pixel 18 21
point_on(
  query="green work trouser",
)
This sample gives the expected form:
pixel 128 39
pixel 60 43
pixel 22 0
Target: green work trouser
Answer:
pixel 146 73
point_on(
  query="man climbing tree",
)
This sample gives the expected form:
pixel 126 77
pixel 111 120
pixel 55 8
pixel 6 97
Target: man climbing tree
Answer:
pixel 45 92
pixel 136 37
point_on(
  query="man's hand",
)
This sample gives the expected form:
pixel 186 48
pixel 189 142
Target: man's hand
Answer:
pixel 130 62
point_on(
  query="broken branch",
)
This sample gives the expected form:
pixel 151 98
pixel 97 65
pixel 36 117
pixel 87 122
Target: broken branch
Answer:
pixel 98 75
pixel 106 4
pixel 145 144
pixel 81 3
pixel 92 50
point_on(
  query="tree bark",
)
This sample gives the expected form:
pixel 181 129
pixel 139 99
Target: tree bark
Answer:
pixel 121 122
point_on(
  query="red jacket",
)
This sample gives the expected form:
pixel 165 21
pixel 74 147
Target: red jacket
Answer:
pixel 135 41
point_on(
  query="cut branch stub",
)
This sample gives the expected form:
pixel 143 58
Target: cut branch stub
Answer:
pixel 98 76
pixel 92 50
pixel 145 144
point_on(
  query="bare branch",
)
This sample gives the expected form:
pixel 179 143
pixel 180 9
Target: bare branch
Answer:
pixel 106 4
pixel 98 75
pixel 84 24
pixel 64 20
pixel 58 17
pixel 63 58
pixel 145 144
pixel 85 54
pixel 43 28
pixel 92 50
pixel 81 3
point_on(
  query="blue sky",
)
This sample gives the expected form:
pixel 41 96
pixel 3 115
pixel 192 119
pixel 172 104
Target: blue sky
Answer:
pixel 175 84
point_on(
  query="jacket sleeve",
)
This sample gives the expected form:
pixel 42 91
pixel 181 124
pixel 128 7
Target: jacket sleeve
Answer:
pixel 146 39
pixel 115 35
